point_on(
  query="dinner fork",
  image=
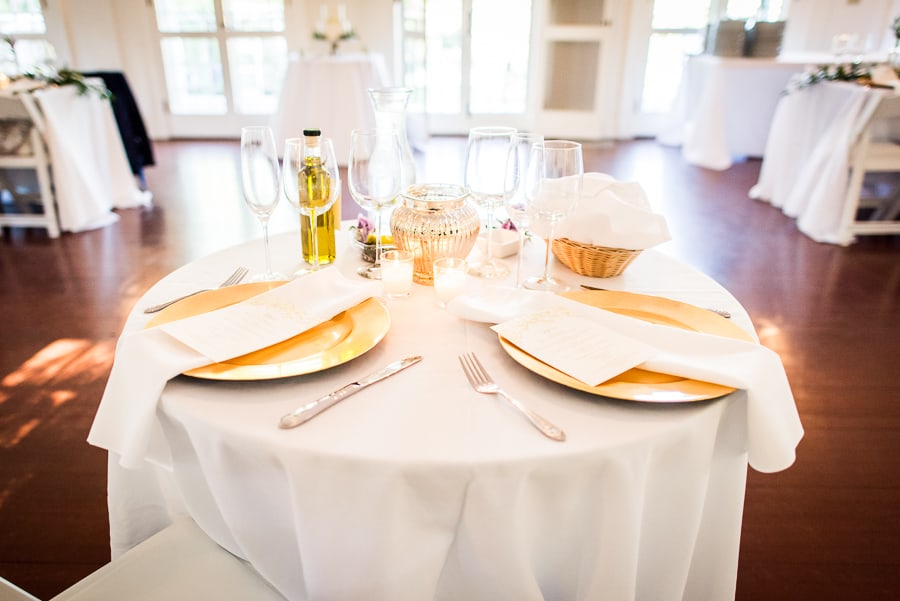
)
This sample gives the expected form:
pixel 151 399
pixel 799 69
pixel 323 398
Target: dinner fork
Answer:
pixel 482 382
pixel 233 279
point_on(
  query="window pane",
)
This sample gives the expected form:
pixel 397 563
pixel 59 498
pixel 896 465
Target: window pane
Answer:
pixel 444 36
pixel 174 16
pixel 194 76
pixel 30 55
pixel 499 72
pixel 665 63
pixel 257 69
pixel 21 16
pixel 253 15
pixel 678 14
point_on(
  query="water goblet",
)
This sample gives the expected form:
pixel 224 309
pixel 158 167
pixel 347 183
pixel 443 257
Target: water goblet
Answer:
pixel 259 185
pixel 311 181
pixel 486 155
pixel 517 208
pixel 552 187
pixel 374 172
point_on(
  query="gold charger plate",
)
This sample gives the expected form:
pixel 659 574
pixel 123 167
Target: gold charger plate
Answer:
pixel 346 336
pixel 639 384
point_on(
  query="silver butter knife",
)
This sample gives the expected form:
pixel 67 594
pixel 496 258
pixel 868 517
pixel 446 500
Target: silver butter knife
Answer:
pixel 303 414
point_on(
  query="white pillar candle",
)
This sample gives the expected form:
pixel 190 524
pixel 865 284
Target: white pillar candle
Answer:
pixel 397 273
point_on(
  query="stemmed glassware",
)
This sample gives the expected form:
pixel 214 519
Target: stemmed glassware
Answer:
pixel 311 181
pixel 259 184
pixel 374 170
pixel 552 188
pixel 486 180
pixel 517 202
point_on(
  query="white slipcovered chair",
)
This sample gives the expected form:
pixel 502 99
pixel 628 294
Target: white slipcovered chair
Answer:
pixel 873 150
pixel 22 148
pixel 180 563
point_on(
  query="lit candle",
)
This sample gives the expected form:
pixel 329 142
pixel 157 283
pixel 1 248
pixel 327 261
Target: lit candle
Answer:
pixel 397 273
pixel 449 278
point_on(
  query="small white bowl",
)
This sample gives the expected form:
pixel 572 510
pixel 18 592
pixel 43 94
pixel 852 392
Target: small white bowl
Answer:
pixel 505 243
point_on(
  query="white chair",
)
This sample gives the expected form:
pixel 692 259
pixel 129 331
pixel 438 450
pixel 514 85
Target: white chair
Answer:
pixel 180 563
pixel 23 148
pixel 872 154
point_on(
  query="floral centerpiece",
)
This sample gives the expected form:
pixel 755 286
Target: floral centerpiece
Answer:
pixel 56 77
pixel 333 27
pixel 857 71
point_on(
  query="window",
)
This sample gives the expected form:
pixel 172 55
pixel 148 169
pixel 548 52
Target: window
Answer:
pixel 25 47
pixel 222 56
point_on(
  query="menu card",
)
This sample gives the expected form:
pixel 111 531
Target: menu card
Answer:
pixel 580 347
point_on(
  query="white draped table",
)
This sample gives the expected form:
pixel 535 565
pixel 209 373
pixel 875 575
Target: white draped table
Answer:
pixel 329 93
pixel 419 488
pixel 805 167
pixel 90 170
pixel 724 108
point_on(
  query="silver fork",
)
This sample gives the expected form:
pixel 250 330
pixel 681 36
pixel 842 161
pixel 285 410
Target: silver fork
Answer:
pixel 482 382
pixel 239 274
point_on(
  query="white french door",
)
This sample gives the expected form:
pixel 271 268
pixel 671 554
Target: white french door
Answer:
pixel 223 63
pixel 465 70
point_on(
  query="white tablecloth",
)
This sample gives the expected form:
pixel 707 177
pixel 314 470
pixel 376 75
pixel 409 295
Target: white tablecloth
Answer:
pixel 419 488
pixel 724 108
pixel 805 168
pixel 91 174
pixel 329 93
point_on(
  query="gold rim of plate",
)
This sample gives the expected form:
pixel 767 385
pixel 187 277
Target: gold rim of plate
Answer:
pixel 639 384
pixel 345 336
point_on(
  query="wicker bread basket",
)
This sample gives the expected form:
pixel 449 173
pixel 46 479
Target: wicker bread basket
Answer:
pixel 594 261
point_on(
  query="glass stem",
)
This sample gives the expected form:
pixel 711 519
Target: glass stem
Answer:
pixel 265 225
pixel 315 239
pixel 519 262
pixel 547 254
pixel 378 230
pixel 490 234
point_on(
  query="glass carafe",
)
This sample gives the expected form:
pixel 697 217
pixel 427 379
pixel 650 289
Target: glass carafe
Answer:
pixel 390 113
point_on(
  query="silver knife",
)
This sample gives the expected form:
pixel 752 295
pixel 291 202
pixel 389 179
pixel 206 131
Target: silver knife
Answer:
pixel 303 414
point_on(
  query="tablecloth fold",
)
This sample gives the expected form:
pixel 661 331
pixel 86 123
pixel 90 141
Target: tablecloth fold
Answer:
pixel 773 424
pixel 145 360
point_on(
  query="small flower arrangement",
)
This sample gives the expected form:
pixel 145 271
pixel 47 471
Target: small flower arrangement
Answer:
pixel 856 71
pixel 365 238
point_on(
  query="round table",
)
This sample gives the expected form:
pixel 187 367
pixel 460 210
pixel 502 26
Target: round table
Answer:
pixel 420 488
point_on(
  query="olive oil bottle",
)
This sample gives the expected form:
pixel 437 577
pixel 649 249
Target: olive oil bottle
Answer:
pixel 316 182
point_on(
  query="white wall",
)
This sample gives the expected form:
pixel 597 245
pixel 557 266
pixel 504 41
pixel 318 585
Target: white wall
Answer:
pixel 812 24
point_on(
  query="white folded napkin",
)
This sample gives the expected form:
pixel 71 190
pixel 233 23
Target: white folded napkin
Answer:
pixel 773 424
pixel 613 214
pixel 145 360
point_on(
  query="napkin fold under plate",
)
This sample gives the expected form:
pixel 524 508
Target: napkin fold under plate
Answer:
pixel 145 360
pixel 773 424
pixel 613 214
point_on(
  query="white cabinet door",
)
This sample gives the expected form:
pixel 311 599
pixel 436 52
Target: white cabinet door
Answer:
pixel 579 71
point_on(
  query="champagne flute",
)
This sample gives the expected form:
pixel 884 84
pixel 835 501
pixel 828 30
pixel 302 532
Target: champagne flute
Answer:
pixel 259 184
pixel 552 188
pixel 517 203
pixel 486 180
pixel 311 181
pixel 374 170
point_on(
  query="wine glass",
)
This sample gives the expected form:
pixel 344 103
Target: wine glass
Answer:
pixel 517 203
pixel 259 184
pixel 311 181
pixel 374 170
pixel 552 188
pixel 486 180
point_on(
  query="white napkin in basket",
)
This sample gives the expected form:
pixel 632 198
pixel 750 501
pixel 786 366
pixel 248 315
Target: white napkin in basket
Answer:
pixel 773 424
pixel 613 214
pixel 145 360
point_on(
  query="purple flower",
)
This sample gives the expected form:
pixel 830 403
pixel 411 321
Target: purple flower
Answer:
pixel 364 227
pixel 509 225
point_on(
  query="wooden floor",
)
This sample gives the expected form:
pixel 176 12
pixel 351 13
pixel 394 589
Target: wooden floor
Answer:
pixel 827 529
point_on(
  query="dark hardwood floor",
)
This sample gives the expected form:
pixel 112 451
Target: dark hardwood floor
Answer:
pixel 827 529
